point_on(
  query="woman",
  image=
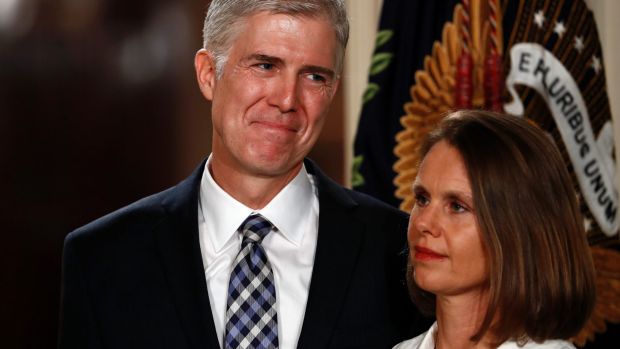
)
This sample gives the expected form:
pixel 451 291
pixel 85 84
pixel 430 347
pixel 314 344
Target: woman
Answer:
pixel 498 251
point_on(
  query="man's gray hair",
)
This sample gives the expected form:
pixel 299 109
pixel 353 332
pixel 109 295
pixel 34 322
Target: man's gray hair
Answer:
pixel 221 24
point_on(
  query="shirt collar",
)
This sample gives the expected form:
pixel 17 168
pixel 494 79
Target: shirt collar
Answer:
pixel 223 214
pixel 429 338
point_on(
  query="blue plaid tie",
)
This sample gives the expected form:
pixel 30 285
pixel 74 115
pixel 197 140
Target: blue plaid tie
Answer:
pixel 251 320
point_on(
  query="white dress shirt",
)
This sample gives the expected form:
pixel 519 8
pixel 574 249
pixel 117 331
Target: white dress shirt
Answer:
pixel 290 249
pixel 427 341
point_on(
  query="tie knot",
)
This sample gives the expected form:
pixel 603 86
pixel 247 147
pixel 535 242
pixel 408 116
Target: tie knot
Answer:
pixel 255 228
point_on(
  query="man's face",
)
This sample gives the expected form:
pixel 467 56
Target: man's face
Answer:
pixel 270 104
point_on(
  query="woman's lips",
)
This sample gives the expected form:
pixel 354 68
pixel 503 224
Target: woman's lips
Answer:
pixel 426 254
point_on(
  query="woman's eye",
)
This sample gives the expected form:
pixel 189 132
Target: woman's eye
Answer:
pixel 457 207
pixel 421 200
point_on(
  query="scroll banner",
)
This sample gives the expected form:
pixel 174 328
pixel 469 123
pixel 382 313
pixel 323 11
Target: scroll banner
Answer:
pixel 532 65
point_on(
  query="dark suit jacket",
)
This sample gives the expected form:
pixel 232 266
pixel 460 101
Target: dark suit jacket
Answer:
pixel 135 278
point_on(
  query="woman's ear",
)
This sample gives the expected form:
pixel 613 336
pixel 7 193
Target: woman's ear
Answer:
pixel 205 72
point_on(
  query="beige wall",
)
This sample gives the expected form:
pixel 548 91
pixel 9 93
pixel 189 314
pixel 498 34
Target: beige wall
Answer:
pixel 364 16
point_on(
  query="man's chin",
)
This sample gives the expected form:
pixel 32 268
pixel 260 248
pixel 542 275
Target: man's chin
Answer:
pixel 275 167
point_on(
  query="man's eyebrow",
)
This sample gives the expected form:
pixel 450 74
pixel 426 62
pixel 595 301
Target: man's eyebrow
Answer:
pixel 263 58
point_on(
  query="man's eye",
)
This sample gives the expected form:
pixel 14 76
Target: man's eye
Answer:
pixel 317 77
pixel 265 66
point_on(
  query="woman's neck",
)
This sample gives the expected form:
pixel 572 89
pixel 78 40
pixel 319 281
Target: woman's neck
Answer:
pixel 458 319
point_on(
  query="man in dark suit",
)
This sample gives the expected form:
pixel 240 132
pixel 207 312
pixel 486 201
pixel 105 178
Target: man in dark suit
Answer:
pixel 257 248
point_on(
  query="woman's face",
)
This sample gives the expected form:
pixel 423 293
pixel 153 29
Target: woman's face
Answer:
pixel 445 246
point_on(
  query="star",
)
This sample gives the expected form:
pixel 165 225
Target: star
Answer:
pixel 587 224
pixel 596 64
pixel 539 18
pixel 579 43
pixel 559 28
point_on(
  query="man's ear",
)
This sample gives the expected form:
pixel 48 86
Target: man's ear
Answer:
pixel 205 72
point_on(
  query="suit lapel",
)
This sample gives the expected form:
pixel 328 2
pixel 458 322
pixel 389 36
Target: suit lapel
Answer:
pixel 338 245
pixel 177 239
pixel 339 240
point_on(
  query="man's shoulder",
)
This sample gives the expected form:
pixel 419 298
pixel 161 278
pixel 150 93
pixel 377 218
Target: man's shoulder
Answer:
pixel 362 202
pixel 367 205
pixel 139 215
pixel 144 214
pixel 373 203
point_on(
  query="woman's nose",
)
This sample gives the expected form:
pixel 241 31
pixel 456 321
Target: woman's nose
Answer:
pixel 424 220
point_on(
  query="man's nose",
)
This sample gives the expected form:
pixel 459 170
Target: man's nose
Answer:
pixel 284 94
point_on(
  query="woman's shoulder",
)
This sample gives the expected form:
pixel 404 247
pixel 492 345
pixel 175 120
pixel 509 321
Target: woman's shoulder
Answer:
pixel 548 344
pixel 423 341
pixel 413 343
